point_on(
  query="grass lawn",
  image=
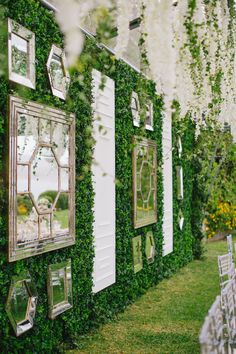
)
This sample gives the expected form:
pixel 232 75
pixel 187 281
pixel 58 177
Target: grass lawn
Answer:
pixel 168 318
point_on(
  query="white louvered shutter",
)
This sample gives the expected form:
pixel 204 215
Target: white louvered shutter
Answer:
pixel 168 185
pixel 103 169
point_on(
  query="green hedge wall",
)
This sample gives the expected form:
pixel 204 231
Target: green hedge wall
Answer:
pixel 89 310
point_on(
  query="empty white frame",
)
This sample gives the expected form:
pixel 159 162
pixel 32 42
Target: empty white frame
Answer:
pixel 21 54
pixel 135 109
pixel 58 74
pixel 41 179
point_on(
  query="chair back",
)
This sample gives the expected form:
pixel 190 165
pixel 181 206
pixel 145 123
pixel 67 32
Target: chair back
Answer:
pixel 226 269
pixel 212 336
pixel 230 244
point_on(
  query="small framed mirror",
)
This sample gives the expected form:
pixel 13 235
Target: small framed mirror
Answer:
pixel 135 109
pixel 59 288
pixel 144 182
pixel 179 147
pixel 180 183
pixel 21 54
pixel 21 303
pixel 149 116
pixel 137 253
pixel 150 247
pixel 58 74
pixel 181 219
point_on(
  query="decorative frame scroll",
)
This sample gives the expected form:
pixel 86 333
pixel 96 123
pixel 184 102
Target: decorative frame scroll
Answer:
pixel 41 146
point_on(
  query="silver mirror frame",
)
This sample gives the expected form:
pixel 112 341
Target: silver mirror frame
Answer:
pixel 60 307
pixel 17 107
pixel 135 110
pixel 66 79
pixel 27 324
pixel 23 33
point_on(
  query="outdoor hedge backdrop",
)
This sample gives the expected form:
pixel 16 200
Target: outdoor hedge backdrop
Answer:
pixel 89 310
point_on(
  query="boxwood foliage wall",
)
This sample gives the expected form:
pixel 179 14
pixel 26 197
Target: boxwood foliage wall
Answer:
pixel 89 310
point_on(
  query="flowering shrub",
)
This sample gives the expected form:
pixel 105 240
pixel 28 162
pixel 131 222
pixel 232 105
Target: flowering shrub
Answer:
pixel 222 219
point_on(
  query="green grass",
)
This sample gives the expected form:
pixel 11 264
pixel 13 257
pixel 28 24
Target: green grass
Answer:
pixel 168 318
pixel 62 217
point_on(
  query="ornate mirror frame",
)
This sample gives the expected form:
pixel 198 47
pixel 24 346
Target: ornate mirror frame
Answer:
pixel 141 144
pixel 15 30
pixel 27 288
pixel 59 53
pixel 52 132
pixel 59 275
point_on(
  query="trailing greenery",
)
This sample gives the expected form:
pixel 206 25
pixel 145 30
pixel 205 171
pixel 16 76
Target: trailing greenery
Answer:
pixel 88 310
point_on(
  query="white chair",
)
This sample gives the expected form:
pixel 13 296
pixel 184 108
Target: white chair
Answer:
pixel 226 269
pixel 229 298
pixel 230 244
pixel 212 337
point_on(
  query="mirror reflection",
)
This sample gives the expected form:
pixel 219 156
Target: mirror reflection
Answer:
pixel 145 183
pixel 150 247
pixel 57 72
pixel 59 288
pixel 137 253
pixel 20 55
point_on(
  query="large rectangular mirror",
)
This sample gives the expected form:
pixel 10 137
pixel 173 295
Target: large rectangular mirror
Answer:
pixel 59 288
pixel 42 169
pixel 144 182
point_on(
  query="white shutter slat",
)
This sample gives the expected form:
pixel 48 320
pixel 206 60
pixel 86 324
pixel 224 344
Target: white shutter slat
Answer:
pixel 103 170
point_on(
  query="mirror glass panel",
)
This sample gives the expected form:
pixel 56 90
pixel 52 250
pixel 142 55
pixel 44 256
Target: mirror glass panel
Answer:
pixel 180 186
pixel 59 288
pixel 44 179
pixel 61 215
pixel 57 72
pixel 27 137
pixel 60 141
pixel 144 165
pixel 19 55
pixel 27 220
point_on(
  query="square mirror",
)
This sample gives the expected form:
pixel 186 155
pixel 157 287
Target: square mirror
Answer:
pixel 135 109
pixel 21 54
pixel 149 116
pixel 137 253
pixel 144 182
pixel 21 303
pixel 59 288
pixel 42 178
pixel 180 185
pixel 58 74
pixel 150 247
